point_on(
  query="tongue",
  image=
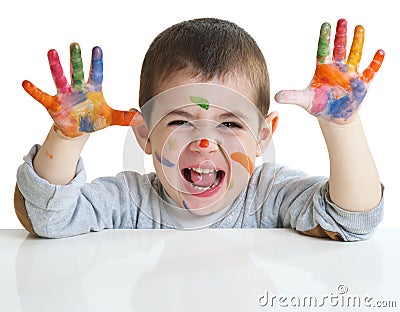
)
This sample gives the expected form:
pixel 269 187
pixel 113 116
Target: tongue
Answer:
pixel 202 179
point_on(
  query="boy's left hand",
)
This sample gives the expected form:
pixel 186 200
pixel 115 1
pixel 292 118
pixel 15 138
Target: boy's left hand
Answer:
pixel 337 89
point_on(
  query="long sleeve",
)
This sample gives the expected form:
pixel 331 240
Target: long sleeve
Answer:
pixel 79 207
pixel 302 202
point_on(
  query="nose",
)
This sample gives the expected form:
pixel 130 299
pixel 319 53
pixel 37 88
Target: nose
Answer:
pixel 203 146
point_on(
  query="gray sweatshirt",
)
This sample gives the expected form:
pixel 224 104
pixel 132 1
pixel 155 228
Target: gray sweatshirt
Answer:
pixel 275 197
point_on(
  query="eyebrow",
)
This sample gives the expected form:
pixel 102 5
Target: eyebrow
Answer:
pixel 224 116
pixel 228 115
pixel 181 113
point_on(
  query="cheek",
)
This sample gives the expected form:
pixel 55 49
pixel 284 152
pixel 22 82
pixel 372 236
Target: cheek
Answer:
pixel 172 144
pixel 244 145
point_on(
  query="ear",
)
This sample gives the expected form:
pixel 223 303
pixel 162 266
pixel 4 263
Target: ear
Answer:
pixel 266 132
pixel 142 137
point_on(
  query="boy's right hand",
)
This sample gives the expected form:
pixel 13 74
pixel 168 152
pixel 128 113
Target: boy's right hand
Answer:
pixel 80 107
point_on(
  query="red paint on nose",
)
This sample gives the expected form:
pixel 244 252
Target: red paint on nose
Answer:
pixel 204 143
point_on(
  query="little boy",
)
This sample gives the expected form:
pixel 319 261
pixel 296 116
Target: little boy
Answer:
pixel 204 99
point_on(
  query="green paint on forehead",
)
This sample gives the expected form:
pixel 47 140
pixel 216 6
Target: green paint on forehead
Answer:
pixel 202 102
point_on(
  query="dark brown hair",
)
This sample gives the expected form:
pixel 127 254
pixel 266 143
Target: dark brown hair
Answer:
pixel 207 48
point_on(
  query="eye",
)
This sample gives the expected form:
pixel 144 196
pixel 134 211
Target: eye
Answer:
pixel 231 125
pixel 179 123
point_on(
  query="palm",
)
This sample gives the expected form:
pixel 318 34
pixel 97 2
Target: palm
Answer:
pixel 337 89
pixel 79 107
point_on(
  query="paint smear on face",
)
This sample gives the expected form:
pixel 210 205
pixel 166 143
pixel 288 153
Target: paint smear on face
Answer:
pixel 222 152
pixel 164 161
pixel 185 205
pixel 202 102
pixel 230 185
pixel 172 145
pixel 244 160
pixel 204 143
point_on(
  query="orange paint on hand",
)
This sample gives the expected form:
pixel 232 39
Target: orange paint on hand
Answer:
pixel 122 118
pixel 373 68
pixel 204 143
pixel 244 160
pixel 48 101
pixel 330 74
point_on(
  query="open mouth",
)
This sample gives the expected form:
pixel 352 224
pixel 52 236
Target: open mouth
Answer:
pixel 203 181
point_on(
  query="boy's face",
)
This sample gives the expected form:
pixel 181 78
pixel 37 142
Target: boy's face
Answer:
pixel 203 151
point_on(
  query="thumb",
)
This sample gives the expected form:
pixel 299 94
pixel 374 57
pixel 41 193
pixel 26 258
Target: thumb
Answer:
pixel 124 118
pixel 303 98
pixel 48 101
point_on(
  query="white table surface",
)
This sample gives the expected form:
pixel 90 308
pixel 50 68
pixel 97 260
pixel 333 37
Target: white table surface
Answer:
pixel 200 270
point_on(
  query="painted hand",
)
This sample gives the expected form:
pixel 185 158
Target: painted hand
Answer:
pixel 79 107
pixel 337 89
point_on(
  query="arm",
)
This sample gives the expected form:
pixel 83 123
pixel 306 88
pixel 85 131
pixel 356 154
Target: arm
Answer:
pixel 77 110
pixel 334 96
pixel 58 156
pixel 354 183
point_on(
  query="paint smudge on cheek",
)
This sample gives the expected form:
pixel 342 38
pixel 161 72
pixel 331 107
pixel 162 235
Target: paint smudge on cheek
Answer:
pixel 164 161
pixel 222 152
pixel 244 160
pixel 186 206
pixel 172 144
pixel 231 185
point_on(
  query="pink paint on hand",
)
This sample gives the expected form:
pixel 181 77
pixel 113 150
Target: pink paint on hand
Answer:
pixel 319 101
pixel 57 72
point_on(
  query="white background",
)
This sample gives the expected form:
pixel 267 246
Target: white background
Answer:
pixel 286 31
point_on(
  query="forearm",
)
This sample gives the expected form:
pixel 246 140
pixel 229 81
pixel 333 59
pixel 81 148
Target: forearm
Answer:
pixel 354 183
pixel 57 158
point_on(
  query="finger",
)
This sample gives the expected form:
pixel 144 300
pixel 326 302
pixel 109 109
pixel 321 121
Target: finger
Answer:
pixel 356 49
pixel 339 50
pixel 48 101
pixel 302 98
pixel 323 44
pixel 77 76
pixel 124 118
pixel 374 67
pixel 96 69
pixel 57 72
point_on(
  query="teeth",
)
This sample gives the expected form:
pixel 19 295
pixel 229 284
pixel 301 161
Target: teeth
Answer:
pixel 202 189
pixel 199 170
